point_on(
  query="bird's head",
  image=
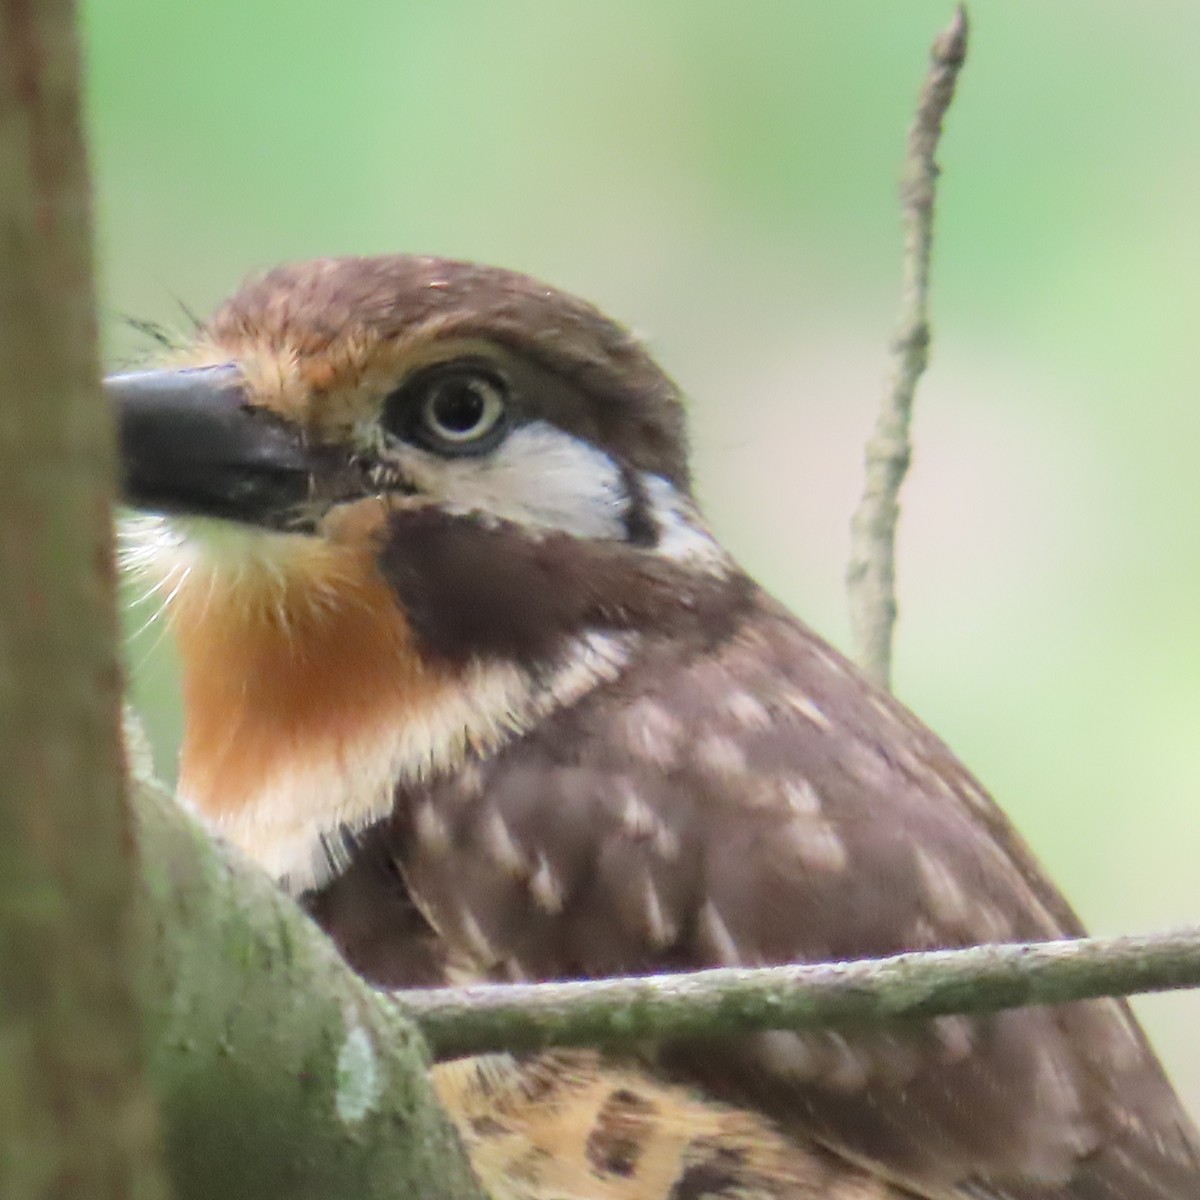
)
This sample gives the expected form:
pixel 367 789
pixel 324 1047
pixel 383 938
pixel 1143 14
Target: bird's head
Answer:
pixel 399 508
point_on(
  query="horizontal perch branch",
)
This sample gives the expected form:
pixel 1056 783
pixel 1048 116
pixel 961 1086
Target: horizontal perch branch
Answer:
pixel 982 979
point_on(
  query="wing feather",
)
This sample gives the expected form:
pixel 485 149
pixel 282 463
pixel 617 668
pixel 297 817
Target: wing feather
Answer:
pixel 760 803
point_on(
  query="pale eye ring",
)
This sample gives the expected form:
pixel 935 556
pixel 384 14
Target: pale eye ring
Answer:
pixel 452 409
pixel 461 407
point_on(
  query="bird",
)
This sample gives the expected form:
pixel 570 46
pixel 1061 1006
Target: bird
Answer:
pixel 467 672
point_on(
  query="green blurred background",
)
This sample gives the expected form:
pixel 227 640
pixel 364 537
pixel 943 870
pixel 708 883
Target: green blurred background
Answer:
pixel 722 177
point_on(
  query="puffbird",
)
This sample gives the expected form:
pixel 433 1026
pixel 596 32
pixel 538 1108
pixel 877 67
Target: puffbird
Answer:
pixel 466 671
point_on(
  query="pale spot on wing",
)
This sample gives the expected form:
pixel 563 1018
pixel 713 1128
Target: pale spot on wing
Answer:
pixel 948 903
pixel 885 708
pixel 640 823
pixel 948 789
pixel 432 831
pixel 1125 1043
pixel 475 938
pixel 828 1057
pixel 847 1069
pixel 999 863
pixel 907 752
pixel 829 658
pixel 786 1054
pixel 748 711
pixel 715 937
pixel 637 818
pixel 720 754
pixel 955 1036
pixel 1056 1094
pixel 660 929
pixel 866 762
pixel 1128 1119
pixel 975 795
pixel 1054 1084
pixel 807 707
pixel 650 732
pixel 923 936
pixel 816 843
pixel 666 844
pixel 801 797
pixel 546 888
pixel 500 847
pixel 990 923
pixel 762 793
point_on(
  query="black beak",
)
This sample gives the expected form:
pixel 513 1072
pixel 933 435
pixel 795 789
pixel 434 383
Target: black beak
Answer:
pixel 190 442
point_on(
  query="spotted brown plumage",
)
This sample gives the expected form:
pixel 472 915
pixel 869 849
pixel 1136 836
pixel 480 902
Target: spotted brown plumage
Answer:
pixel 571 1126
pixel 466 671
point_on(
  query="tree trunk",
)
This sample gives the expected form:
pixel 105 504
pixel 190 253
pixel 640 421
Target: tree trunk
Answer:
pixel 76 1118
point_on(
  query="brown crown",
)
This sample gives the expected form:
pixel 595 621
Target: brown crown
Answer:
pixel 335 314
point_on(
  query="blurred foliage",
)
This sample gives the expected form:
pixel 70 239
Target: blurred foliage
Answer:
pixel 722 177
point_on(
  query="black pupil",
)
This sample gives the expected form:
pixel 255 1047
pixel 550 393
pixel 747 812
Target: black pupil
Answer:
pixel 458 405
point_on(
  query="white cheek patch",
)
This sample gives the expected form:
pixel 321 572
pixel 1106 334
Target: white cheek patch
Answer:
pixel 540 477
pixel 546 479
pixel 682 535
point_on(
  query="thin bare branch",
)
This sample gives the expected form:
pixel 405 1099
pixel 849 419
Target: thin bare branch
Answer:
pixel 871 575
pixel 623 1012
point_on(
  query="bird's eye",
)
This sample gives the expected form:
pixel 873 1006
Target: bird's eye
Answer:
pixel 462 407
pixel 455 409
